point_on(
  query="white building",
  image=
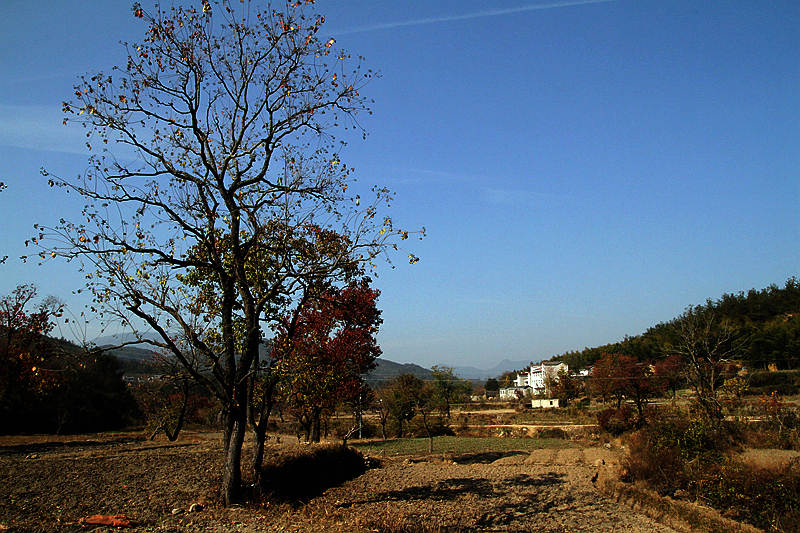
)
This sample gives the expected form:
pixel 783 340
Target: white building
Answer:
pixel 538 376
pixel 533 381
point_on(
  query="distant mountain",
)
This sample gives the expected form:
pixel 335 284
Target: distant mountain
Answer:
pixel 138 353
pixel 119 338
pixel 130 353
pixel 471 372
pixel 388 370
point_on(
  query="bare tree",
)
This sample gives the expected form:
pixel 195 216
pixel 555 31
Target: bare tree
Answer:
pixel 707 347
pixel 227 195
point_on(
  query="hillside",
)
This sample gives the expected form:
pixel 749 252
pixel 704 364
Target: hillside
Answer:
pixel 130 353
pixel 388 370
pixel 764 326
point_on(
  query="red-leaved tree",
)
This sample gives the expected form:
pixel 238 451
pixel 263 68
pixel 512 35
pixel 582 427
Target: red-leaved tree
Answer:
pixel 324 357
pixel 625 378
pixel 24 352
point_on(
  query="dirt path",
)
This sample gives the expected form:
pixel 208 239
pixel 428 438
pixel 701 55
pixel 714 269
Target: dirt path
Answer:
pixel 50 486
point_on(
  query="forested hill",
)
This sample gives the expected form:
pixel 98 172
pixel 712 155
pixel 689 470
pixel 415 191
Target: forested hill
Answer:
pixel 388 370
pixel 765 327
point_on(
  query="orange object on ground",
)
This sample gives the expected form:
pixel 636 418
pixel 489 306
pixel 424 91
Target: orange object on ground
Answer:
pixel 117 520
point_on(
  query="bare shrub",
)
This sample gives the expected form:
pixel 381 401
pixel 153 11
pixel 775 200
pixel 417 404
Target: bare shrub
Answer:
pixel 616 421
pixel 655 457
pixel 552 433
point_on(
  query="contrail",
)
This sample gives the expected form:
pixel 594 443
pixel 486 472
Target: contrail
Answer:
pixel 468 16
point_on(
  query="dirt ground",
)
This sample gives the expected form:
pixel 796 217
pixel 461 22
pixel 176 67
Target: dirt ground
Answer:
pixel 49 484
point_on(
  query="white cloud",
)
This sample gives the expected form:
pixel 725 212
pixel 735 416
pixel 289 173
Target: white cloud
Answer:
pixel 469 16
pixel 40 128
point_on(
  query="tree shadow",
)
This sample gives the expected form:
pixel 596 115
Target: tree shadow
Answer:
pixel 530 504
pixel 446 490
pixel 484 457
pixel 542 480
pixel 300 477
pixel 454 488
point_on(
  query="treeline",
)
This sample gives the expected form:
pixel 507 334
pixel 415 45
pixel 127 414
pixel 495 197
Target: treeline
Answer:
pixel 54 386
pixel 314 366
pixel 764 331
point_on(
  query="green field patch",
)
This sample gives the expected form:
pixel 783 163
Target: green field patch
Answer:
pixel 459 445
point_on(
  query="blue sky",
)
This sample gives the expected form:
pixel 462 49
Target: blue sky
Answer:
pixel 585 170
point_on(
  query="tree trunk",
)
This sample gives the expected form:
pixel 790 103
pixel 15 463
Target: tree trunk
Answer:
pixel 260 427
pixel 230 491
pixel 260 435
pixel 173 435
pixel 257 459
pixel 304 431
pixel 427 430
pixel 315 424
pixel 155 431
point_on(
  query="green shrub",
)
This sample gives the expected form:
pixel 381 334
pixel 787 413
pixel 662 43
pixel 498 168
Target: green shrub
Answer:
pixel 785 383
pixel 768 498
pixel 694 454
pixel 704 441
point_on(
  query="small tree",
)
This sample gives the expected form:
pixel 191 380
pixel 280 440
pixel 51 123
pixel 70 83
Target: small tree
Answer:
pixel 400 400
pixel 169 404
pixel 491 386
pixel 565 387
pixel 448 388
pixel 416 398
pixel 670 372
pixel 625 377
pixel 171 400
pixel 603 381
pixel 425 403
pixel 324 354
pixel 381 405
